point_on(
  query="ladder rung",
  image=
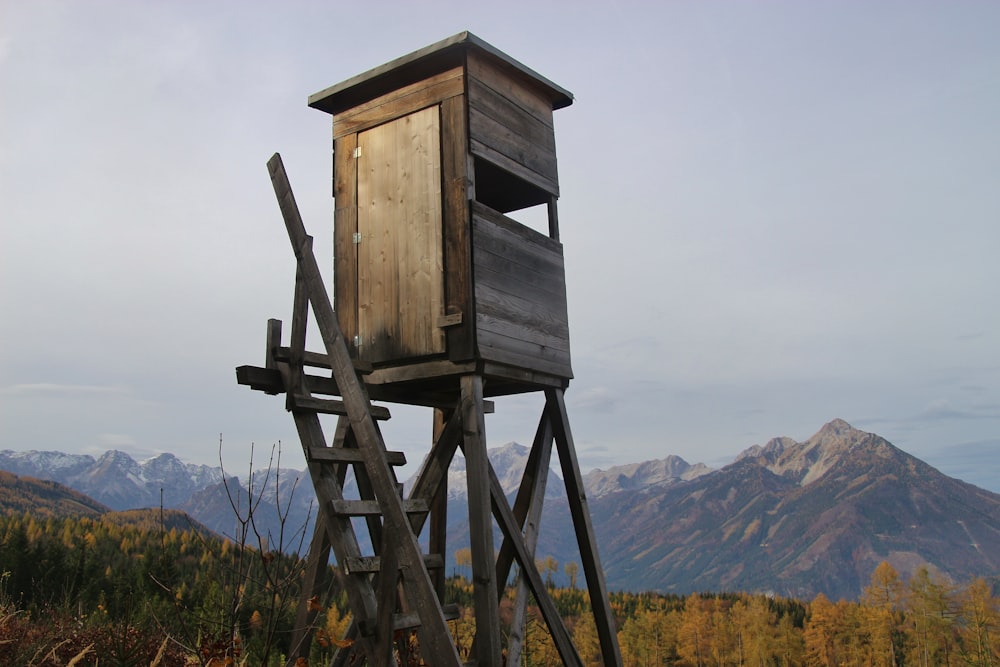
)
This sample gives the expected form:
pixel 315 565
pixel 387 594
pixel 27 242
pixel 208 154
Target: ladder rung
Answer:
pixel 370 564
pixel 319 360
pixel 408 621
pixel 351 455
pixel 330 406
pixel 399 622
pixel 372 508
pixel 405 621
pixel 411 620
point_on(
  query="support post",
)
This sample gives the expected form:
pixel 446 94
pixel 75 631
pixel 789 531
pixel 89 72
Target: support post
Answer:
pixel 477 468
pixel 603 617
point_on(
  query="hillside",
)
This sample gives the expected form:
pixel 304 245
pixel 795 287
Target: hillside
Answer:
pixel 44 498
pixel 121 483
pixel 798 519
pixel 116 479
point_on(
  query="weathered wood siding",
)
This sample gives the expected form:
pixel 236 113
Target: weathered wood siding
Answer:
pixel 440 276
pixel 510 124
pixel 397 103
pixel 345 224
pixel 400 264
pixel 520 295
pixel 457 248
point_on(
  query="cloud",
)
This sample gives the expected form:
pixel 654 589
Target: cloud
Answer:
pixel 942 409
pixel 53 389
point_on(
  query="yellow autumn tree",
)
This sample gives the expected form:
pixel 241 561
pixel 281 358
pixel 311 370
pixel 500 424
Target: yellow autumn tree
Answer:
pixel 882 604
pixel 929 621
pixel 823 625
pixel 585 638
pixel 694 637
pixel 648 638
pixel 979 625
pixel 756 630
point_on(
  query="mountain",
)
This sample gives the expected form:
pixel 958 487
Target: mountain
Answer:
pixel 283 511
pixel 116 479
pixel 509 462
pixel 284 503
pixel 798 519
pixel 44 498
pixel 792 518
pixel 636 476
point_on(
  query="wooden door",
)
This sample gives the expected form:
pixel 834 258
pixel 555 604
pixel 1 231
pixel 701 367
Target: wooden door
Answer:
pixel 400 267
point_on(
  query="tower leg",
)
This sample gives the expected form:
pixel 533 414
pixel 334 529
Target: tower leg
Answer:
pixel 603 617
pixel 528 513
pixel 305 617
pixel 488 649
pixel 438 535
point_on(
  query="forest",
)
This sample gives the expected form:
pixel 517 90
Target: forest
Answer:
pixel 145 588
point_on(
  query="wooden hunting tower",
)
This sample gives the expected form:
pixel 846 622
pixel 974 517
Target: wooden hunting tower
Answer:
pixel 441 300
pixel 431 279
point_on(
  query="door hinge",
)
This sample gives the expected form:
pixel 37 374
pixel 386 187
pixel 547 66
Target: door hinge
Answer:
pixel 356 238
pixel 357 152
pixel 357 341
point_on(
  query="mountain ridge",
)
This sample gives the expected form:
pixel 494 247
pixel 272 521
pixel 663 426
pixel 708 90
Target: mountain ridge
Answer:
pixel 802 518
pixel 787 517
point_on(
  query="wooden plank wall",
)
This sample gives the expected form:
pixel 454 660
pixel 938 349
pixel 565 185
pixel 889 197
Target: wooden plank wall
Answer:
pixel 345 217
pixel 400 268
pixel 442 92
pixel 457 252
pixel 510 124
pixel 520 293
pixel 397 103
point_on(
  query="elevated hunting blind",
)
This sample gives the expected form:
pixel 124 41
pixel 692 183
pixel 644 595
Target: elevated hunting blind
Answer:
pixel 441 299
pixel 431 279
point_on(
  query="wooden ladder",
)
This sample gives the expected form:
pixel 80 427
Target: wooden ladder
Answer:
pixel 394 590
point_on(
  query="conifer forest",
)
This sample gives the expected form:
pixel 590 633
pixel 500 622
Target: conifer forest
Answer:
pixel 145 588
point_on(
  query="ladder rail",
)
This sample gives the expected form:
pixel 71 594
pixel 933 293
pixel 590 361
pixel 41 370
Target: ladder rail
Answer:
pixel 435 639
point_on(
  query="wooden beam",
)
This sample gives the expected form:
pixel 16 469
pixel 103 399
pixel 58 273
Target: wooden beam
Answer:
pixel 577 497
pixel 508 526
pixel 388 581
pixel 272 342
pixel 318 359
pixel 300 320
pixel 438 533
pixel 268 380
pixel 528 514
pixel 553 210
pixel 346 455
pixel 435 639
pixel 530 494
pixel 305 616
pixel 433 474
pixel 372 564
pixel 374 507
pixel 339 529
pixel 330 406
pixel 477 467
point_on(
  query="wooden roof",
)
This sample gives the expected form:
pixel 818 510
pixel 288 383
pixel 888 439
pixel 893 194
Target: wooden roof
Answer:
pixel 425 62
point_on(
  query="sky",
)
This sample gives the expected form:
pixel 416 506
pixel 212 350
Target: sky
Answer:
pixel 774 214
